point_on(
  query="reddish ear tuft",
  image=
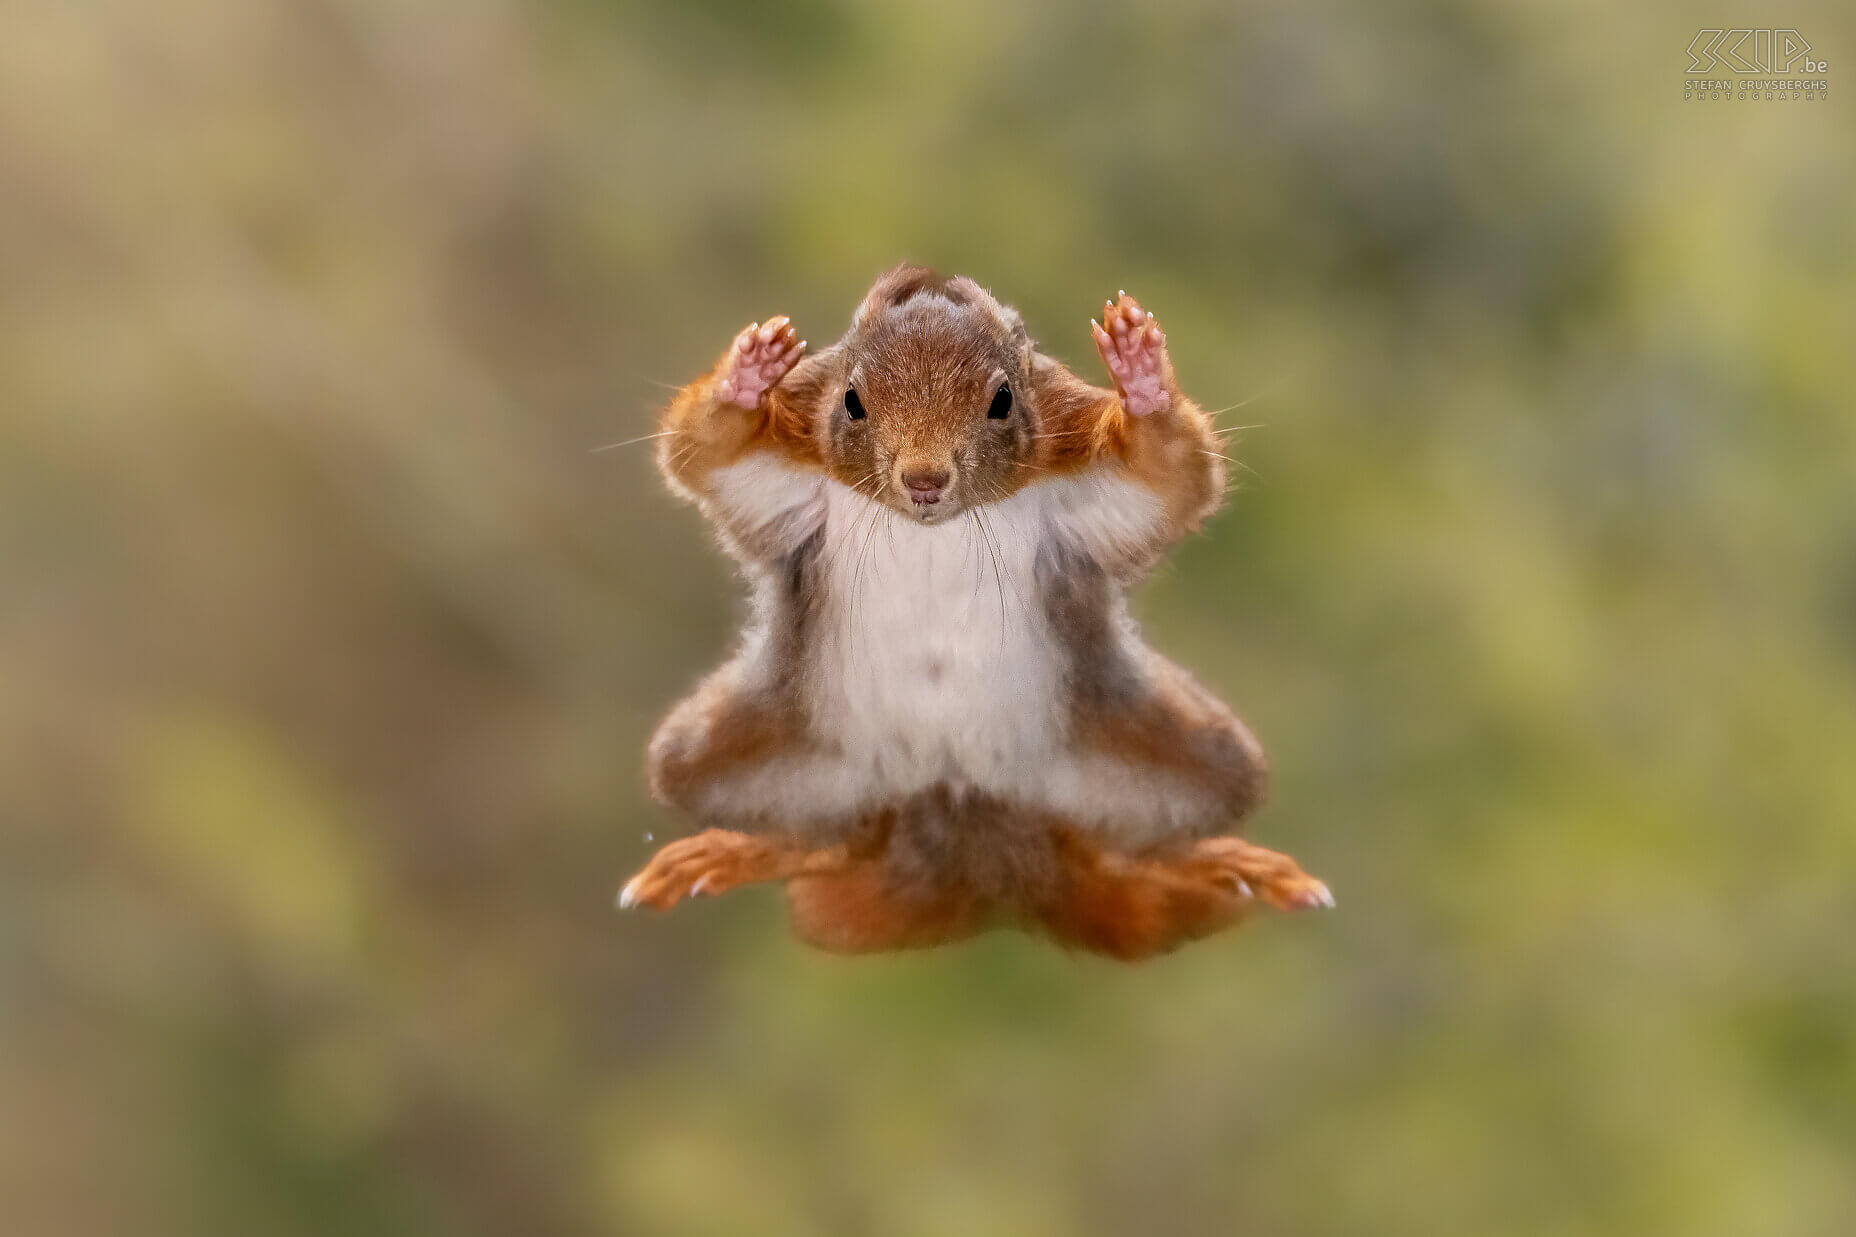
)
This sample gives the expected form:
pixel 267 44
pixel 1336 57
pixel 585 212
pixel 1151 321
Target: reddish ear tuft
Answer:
pixel 897 285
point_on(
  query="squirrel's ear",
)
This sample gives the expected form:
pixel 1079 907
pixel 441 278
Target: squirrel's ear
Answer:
pixel 1021 339
pixel 1015 323
pixel 964 291
pixel 895 286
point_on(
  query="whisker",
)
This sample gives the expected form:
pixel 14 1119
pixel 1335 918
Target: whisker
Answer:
pixel 835 545
pixel 1023 611
pixel 969 523
pixel 877 511
pixel 1237 463
pixel 1267 390
pixel 998 584
pixel 613 446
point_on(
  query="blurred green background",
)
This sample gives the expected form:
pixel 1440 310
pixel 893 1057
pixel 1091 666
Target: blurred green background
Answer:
pixel 329 645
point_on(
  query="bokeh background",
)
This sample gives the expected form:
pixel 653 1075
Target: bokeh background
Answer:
pixel 329 644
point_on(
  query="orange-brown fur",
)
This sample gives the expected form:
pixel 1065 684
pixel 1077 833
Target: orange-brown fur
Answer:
pixel 701 435
pixel 1173 453
pixel 924 356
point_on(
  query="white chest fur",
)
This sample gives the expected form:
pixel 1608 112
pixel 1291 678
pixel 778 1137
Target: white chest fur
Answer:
pixel 934 662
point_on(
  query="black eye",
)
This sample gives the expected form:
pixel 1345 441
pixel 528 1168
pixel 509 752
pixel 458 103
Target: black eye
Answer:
pixel 1001 403
pixel 852 404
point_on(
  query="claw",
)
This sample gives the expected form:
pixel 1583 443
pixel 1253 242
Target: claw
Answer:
pixel 1310 897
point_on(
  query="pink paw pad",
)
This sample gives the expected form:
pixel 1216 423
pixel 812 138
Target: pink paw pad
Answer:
pixel 1134 349
pixel 761 355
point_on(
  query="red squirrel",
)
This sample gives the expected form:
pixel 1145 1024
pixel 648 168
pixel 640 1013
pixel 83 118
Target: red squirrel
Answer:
pixel 941 715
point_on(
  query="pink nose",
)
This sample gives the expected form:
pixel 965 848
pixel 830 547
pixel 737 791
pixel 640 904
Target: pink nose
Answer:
pixel 925 487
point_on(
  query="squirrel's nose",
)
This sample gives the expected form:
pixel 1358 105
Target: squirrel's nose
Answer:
pixel 925 485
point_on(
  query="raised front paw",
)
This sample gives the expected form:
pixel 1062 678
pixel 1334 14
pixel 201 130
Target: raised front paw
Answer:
pixel 761 355
pixel 1134 349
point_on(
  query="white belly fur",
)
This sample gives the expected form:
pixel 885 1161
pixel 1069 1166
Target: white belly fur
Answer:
pixel 934 664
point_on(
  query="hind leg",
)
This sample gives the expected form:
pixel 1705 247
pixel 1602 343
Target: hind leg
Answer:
pixel 838 903
pixel 717 860
pixel 1136 906
pixel 739 754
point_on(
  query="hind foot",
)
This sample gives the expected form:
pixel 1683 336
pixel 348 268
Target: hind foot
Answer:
pixel 717 860
pixel 1278 879
pixel 1136 906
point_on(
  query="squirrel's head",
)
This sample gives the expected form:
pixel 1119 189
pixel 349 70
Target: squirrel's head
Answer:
pixel 931 412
